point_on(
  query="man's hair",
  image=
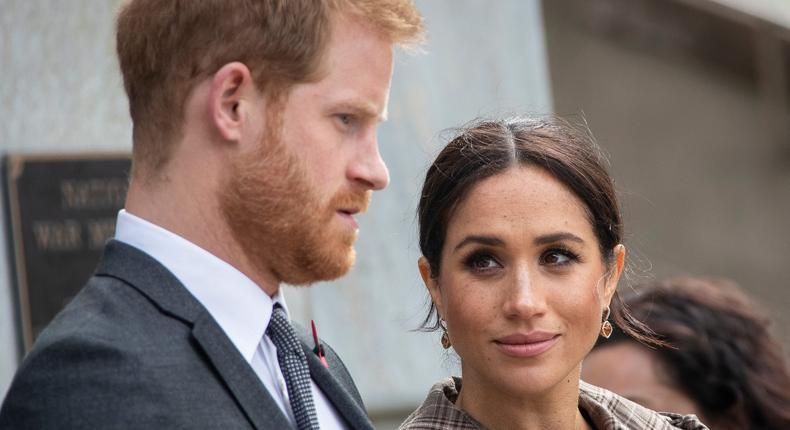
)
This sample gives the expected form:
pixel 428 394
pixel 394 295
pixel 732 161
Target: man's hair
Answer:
pixel 165 47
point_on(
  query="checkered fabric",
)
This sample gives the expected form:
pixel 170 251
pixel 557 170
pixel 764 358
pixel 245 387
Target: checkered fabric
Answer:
pixel 293 364
pixel 606 411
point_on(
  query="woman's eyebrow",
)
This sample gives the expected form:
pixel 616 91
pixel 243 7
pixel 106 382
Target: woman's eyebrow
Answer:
pixel 557 237
pixel 482 240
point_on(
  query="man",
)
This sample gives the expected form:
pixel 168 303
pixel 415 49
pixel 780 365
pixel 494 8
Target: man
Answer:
pixel 254 148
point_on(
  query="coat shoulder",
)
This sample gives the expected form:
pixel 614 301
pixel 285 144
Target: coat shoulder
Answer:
pixel 84 371
pixel 113 359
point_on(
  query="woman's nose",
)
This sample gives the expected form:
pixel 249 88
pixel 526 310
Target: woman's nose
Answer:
pixel 525 296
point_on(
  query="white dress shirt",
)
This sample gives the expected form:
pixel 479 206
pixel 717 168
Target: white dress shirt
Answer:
pixel 238 305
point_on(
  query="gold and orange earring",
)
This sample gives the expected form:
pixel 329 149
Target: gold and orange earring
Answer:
pixel 445 337
pixel 606 327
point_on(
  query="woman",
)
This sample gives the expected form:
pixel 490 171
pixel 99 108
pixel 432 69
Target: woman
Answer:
pixel 521 241
pixel 725 366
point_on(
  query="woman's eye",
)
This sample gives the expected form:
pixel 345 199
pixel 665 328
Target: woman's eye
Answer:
pixel 557 257
pixel 482 262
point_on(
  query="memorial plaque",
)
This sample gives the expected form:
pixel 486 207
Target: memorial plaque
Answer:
pixel 60 211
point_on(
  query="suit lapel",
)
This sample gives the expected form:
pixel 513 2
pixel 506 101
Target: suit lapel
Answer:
pixel 354 415
pixel 154 281
pixel 242 381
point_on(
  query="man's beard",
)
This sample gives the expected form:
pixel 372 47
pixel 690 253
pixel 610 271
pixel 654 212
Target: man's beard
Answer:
pixel 280 221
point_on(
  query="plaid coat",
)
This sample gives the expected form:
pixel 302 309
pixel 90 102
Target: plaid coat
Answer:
pixel 606 410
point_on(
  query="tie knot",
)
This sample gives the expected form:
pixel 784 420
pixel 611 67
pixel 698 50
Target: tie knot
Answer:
pixel 293 364
pixel 282 333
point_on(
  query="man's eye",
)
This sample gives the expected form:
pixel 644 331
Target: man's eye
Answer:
pixel 345 119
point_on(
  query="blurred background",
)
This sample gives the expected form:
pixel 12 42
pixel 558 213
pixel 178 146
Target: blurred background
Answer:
pixel 688 97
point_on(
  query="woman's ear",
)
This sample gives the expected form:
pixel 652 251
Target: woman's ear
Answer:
pixel 615 271
pixel 431 284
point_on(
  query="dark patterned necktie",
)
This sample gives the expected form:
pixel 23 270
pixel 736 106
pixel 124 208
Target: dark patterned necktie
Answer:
pixel 293 364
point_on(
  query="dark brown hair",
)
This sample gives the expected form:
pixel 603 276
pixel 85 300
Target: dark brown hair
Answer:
pixel 485 148
pixel 722 353
pixel 166 46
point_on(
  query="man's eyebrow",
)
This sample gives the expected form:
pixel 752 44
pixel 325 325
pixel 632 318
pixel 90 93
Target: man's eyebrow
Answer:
pixel 482 240
pixel 360 107
pixel 557 237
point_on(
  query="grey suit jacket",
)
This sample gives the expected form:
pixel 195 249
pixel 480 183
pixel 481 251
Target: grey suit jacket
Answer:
pixel 134 349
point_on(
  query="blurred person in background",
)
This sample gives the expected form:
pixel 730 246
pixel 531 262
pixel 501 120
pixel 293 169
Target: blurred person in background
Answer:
pixel 721 362
pixel 520 234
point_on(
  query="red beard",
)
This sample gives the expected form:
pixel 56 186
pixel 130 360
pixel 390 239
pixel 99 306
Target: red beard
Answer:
pixel 280 221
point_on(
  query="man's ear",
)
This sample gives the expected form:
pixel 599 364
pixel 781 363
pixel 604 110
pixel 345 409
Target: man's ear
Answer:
pixel 230 99
pixel 614 273
pixel 431 284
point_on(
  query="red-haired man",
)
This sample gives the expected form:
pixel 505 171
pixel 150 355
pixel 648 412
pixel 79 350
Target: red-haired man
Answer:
pixel 254 148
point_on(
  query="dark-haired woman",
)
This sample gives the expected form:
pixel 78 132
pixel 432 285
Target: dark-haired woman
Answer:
pixel 521 240
pixel 724 364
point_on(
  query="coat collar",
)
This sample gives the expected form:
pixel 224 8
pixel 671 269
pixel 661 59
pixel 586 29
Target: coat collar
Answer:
pixel 161 287
pixel 342 400
pixel 606 410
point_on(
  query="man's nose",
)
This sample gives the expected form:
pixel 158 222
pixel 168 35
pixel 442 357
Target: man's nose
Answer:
pixel 368 167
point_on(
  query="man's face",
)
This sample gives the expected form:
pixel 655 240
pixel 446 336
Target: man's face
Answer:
pixel 291 203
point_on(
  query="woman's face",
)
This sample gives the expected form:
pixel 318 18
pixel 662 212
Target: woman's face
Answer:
pixel 522 284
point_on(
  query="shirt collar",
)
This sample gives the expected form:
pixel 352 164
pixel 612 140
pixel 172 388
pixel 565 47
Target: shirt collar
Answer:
pixel 236 303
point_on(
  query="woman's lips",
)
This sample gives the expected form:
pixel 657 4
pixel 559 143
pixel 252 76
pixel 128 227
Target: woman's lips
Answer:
pixel 526 345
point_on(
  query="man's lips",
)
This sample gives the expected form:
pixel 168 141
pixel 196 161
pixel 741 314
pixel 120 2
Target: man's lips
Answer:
pixel 348 215
pixel 523 345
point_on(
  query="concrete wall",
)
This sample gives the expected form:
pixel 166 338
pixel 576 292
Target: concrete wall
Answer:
pixel 705 184
pixel 61 92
